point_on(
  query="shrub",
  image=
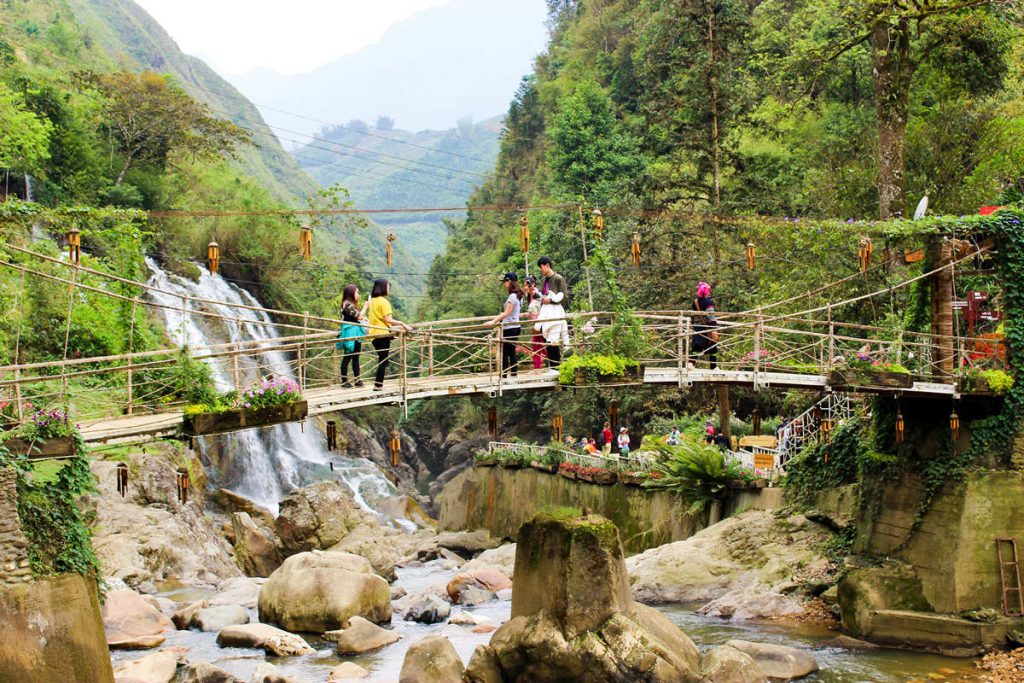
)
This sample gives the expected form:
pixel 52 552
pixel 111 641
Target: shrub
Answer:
pixel 596 365
pixel 696 471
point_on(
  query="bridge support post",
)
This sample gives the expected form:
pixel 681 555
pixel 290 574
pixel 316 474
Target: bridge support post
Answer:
pixel 943 347
pixel 235 371
pixel 724 410
pixel 131 349
pixel 680 353
pixel 430 353
pixel 757 352
pixel 302 351
pixel 498 356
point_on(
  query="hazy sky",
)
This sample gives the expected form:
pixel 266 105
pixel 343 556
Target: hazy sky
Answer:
pixel 235 36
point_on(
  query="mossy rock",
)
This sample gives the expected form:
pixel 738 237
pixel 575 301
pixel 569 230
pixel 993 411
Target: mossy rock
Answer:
pixel 891 586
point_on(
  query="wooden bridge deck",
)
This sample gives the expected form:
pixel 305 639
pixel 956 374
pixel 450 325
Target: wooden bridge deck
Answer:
pixel 336 398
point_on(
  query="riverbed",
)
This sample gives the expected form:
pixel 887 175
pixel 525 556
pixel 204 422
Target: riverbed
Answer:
pixel 837 665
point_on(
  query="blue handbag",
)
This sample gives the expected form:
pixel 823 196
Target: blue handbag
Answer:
pixel 351 333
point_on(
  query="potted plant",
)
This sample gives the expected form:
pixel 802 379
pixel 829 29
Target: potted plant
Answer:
pixel 485 459
pixel 596 475
pixel 861 373
pixel 568 470
pixel 548 461
pixel 266 402
pixel 48 434
pixel 990 381
pixel 596 368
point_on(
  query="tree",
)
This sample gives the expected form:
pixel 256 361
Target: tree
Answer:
pixel 24 137
pixel 151 120
pixel 385 123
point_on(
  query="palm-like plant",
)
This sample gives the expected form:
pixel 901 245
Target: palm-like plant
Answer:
pixel 695 470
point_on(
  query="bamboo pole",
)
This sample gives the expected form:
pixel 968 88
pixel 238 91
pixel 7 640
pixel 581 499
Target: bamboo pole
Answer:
pixel 131 349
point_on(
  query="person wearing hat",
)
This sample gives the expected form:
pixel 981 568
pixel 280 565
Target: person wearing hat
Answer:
pixel 509 319
pixel 623 442
pixel 531 297
pixel 705 338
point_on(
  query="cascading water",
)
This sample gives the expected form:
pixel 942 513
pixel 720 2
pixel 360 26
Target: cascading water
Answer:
pixel 260 464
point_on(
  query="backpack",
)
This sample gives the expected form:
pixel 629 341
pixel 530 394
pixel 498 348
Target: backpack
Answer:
pixel 350 333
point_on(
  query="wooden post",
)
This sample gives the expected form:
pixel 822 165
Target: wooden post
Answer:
pixel 757 351
pixel 943 345
pixel 235 370
pixel 430 353
pixel 131 349
pixel 303 351
pixel 680 349
pixel 586 260
pixel 688 339
pixel 831 339
pixel 500 336
pixel 724 411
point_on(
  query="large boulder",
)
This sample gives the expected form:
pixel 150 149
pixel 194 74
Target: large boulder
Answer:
pixel 347 671
pixel 725 664
pixel 156 667
pixel 235 502
pixel 363 636
pixel 431 660
pixel 427 609
pixel 574 618
pixel 320 591
pixel 467 542
pixel 778 662
pixel 744 564
pixel 204 672
pixel 241 590
pixel 265 672
pixel 218 617
pixel 383 547
pixel 271 640
pixel 503 557
pixel 318 516
pixel 132 623
pixel 893 585
pixel 485 577
pixel 255 549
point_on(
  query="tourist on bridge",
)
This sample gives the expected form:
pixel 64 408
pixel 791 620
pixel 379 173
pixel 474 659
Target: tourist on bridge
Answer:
pixel 551 321
pixel 382 325
pixel 509 319
pixel 705 341
pixel 531 298
pixel 624 442
pixel 608 437
pixel 352 329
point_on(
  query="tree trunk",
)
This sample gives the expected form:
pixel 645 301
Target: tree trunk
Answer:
pixel 716 147
pixel 724 410
pixel 944 346
pixel 124 171
pixel 893 71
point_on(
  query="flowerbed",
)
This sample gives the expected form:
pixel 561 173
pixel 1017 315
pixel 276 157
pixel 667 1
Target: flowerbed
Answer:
pixel 597 475
pixel 987 381
pixel 569 470
pixel 268 401
pixel 48 434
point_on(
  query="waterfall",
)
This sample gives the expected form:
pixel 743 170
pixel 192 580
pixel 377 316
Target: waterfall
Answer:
pixel 260 464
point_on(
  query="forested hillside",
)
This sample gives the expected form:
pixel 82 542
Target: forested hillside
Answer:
pixel 691 123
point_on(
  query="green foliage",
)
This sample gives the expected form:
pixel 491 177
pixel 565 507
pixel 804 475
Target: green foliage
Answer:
pixel 695 470
pixel 24 136
pixel 598 366
pixel 846 459
pixel 193 380
pixel 994 380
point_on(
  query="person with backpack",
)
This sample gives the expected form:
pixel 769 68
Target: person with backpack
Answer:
pixel 353 329
pixel 705 339
pixel 608 437
pixel 510 329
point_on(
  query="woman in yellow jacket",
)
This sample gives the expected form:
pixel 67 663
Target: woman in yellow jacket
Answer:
pixel 381 325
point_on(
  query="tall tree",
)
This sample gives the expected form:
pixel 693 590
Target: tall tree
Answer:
pixel 24 136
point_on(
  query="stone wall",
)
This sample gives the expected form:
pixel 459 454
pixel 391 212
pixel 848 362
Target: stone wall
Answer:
pixel 954 551
pixel 500 500
pixel 14 567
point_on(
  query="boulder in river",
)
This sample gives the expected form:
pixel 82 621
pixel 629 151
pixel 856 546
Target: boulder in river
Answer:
pixel 503 558
pixel 218 617
pixel 466 542
pixel 320 591
pixel 183 617
pixel 240 590
pixel 347 671
pixel 156 667
pixel 271 640
pixel 318 516
pixel 265 672
pixel 204 672
pixel 778 662
pixel 426 609
pixel 487 578
pixel 432 660
pixel 725 664
pixel 574 618
pixel 132 623
pixel 255 549
pixel 362 636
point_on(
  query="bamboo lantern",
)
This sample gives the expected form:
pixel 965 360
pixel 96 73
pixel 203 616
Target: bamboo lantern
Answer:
pixel 524 234
pixel 213 256
pixel 492 421
pixel 388 250
pixel 826 430
pixel 306 242
pixel 122 478
pixel 901 427
pixel 75 245
pixel 556 428
pixel 634 249
pixel 181 482
pixel 598 219
pixel 395 446
pixel 751 256
pixel 954 425
pixel 332 435
pixel 865 253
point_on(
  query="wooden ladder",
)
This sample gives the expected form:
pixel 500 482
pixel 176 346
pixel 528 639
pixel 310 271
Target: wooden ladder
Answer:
pixel 1011 607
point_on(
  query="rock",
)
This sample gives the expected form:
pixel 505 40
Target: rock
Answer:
pixel 162 605
pixel 892 586
pixel 779 663
pixel 752 601
pixel 725 664
pixel 462 618
pixel 183 617
pixel 156 667
pixel 451 556
pixel 272 640
pixel 130 622
pixel 484 628
pixel 379 545
pixel 471 596
pixel 431 660
pixel 347 671
pixel 487 578
pixel 830 596
pixel 466 542
pixel 848 643
pixel 319 591
pixel 219 617
pixel 233 502
pixel 242 590
pixel 255 549
pixel 204 672
pixel 748 555
pixel 398 592
pixel 317 517
pixel 503 557
pixel 427 609
pixel 363 636
pixel 266 672
pixel 574 618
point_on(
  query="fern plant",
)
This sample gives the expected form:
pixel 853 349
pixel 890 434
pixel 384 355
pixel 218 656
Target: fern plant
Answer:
pixel 697 471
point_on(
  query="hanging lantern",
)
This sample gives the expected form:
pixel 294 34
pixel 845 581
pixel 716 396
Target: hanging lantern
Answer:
pixel 213 256
pixel 306 242
pixel 556 428
pixel 332 435
pixel 122 478
pixel 954 425
pixel 524 233
pixel 865 253
pixel 388 249
pixel 598 219
pixel 751 256
pixel 75 245
pixel 181 482
pixel 634 249
pixel 395 446
pixel 900 427
pixel 492 421
pixel 826 430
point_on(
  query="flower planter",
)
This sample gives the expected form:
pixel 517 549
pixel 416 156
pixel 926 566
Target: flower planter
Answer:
pixel 485 463
pixel 62 447
pixel 244 418
pixel 550 469
pixel 631 374
pixel 632 479
pixel 568 474
pixel 866 378
pixel 600 478
pixel 512 464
